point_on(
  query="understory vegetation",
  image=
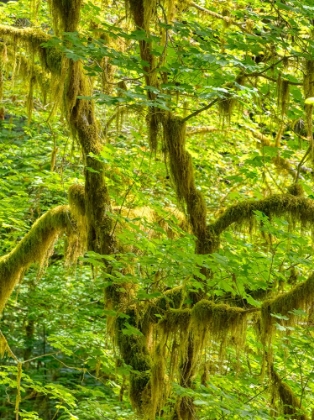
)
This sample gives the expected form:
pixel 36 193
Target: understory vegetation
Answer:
pixel 157 212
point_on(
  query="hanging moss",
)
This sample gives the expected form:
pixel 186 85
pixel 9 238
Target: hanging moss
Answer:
pixel 77 242
pixel 226 107
pixel 298 208
pixel 142 12
pixel 284 97
pixel 81 116
pixel 33 37
pixel 171 299
pixel 66 14
pixel 134 353
pixel 153 128
pixel 174 327
pixel 51 59
pixel 296 190
pixel 176 320
pixel 76 196
pixel 217 320
pixel 299 297
pixel 57 89
pixel 32 248
pixel 29 101
pixel 3 59
pixel 291 403
pixel 227 104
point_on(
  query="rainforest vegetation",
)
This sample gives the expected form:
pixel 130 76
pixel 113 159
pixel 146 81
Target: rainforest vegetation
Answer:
pixel 157 212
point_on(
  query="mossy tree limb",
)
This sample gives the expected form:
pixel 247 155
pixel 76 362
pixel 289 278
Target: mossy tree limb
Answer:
pixel 84 126
pixel 183 176
pixel 81 117
pixel 34 247
pixel 82 121
pixel 33 39
pixel 291 403
pixel 299 297
pixel 134 352
pixel 182 172
pixel 66 14
pixel 29 35
pixel 142 12
pixel 299 208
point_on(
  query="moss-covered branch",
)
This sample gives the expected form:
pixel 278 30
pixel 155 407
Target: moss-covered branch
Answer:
pixel 142 12
pixel 291 403
pixel 300 209
pixel 299 297
pixel 33 39
pixel 183 175
pixel 34 247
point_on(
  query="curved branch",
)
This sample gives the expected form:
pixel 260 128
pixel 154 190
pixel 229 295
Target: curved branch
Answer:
pixel 300 208
pixel 299 297
pixel 34 247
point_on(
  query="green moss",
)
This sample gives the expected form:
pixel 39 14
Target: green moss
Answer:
pixel 184 409
pixel 176 320
pixel 218 319
pixel 226 107
pixel 32 39
pixel 29 101
pixel 3 59
pixel 183 176
pixel 153 128
pixel 299 297
pixel 66 14
pixel 298 208
pixel 159 382
pixel 77 199
pixel 81 117
pixel 135 354
pixel 77 242
pixel 296 189
pixel 34 247
pixel 51 59
pixel 284 96
pixel 291 403
pixel 142 12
